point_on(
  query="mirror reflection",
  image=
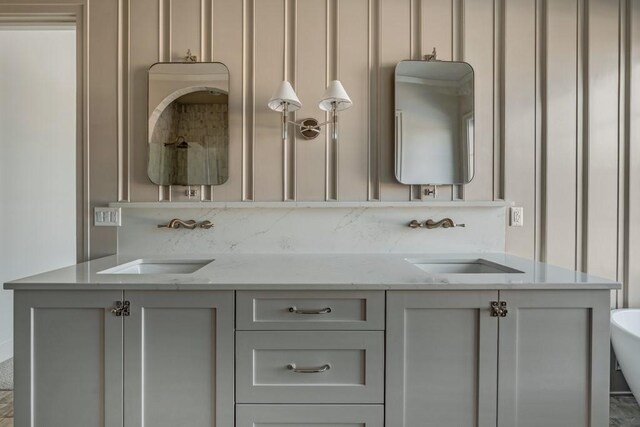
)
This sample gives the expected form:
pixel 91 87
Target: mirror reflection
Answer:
pixel 188 124
pixel 434 122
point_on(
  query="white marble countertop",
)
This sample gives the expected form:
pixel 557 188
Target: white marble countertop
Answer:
pixel 314 271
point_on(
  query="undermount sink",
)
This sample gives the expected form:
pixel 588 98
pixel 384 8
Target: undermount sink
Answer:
pixel 148 266
pixel 467 266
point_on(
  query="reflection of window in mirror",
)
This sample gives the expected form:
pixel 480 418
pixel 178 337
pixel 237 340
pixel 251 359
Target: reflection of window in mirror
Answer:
pixel 467 133
pixel 434 103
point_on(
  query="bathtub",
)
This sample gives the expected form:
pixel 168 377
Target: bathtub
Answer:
pixel 625 336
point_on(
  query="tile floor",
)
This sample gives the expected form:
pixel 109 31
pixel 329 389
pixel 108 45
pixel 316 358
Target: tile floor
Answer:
pixel 625 411
pixel 6 408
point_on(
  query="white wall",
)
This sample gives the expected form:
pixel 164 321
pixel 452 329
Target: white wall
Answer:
pixel 37 159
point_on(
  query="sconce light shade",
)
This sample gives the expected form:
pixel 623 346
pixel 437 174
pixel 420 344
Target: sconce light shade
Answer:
pixel 335 93
pixel 285 95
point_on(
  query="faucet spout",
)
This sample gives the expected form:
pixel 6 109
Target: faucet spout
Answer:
pixel 443 223
pixel 177 223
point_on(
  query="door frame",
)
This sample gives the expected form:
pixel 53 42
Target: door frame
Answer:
pixel 60 13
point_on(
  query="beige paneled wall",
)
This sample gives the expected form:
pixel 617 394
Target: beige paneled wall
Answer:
pixel 556 107
pixel 550 115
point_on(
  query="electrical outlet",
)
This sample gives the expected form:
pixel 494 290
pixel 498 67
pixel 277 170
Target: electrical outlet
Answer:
pixel 517 216
pixel 107 217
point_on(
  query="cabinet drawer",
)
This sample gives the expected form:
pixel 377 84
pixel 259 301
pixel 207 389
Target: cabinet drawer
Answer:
pixel 309 415
pixel 310 367
pixel 309 310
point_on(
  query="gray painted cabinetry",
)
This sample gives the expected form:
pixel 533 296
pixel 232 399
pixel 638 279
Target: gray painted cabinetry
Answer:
pixel 400 358
pixel 168 363
pixel 450 363
pixel 311 348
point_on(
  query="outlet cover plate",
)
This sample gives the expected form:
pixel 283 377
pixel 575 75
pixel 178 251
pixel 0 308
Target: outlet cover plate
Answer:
pixel 516 217
pixel 107 217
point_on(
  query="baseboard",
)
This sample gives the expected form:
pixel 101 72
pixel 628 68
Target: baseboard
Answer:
pixel 621 393
pixel 6 350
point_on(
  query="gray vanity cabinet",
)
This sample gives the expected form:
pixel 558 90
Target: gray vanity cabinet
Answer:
pixel 554 359
pixel 168 362
pixel 179 359
pixel 68 359
pixel 441 359
pixel 545 363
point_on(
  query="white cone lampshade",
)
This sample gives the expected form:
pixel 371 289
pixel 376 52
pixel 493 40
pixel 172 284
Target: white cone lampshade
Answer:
pixel 285 95
pixel 335 93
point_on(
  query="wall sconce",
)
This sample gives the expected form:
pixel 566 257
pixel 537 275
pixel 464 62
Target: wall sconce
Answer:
pixel 285 100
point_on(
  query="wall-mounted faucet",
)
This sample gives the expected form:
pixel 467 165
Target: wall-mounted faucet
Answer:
pixel 430 224
pixel 190 224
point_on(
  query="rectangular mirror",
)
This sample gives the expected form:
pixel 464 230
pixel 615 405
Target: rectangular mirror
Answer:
pixel 188 123
pixel 434 122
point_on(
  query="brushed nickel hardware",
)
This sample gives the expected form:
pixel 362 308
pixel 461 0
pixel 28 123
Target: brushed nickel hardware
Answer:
pixel 292 367
pixel 190 224
pixel 429 190
pixel 433 56
pixel 499 309
pixel 334 100
pixel 320 311
pixel 431 224
pixel 190 57
pixel 443 223
pixel 121 308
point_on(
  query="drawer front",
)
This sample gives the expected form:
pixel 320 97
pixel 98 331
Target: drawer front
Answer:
pixel 309 367
pixel 309 415
pixel 310 310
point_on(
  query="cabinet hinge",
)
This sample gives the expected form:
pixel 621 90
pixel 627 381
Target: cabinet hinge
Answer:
pixel 499 309
pixel 121 308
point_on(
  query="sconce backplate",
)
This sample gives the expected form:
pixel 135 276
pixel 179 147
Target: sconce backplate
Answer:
pixel 309 128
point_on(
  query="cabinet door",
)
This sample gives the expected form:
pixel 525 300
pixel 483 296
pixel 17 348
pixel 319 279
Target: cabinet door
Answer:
pixel 554 359
pixel 68 359
pixel 441 359
pixel 179 359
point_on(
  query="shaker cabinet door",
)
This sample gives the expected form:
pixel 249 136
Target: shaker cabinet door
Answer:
pixel 179 359
pixel 441 359
pixel 68 359
pixel 554 359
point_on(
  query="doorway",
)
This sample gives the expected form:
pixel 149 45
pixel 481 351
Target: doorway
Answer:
pixel 38 156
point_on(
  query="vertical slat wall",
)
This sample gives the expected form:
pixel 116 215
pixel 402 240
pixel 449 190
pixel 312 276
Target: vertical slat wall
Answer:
pixel 556 97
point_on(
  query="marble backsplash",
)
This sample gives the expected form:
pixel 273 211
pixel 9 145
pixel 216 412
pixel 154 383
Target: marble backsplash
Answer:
pixel 311 229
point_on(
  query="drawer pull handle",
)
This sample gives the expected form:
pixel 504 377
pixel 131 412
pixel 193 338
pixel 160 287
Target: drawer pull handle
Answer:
pixel 298 311
pixel 292 367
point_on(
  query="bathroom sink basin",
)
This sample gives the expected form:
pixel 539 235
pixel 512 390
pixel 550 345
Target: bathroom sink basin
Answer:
pixel 148 266
pixel 467 266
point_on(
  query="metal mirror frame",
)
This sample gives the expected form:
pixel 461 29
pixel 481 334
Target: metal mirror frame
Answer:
pixel 187 62
pixel 472 161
